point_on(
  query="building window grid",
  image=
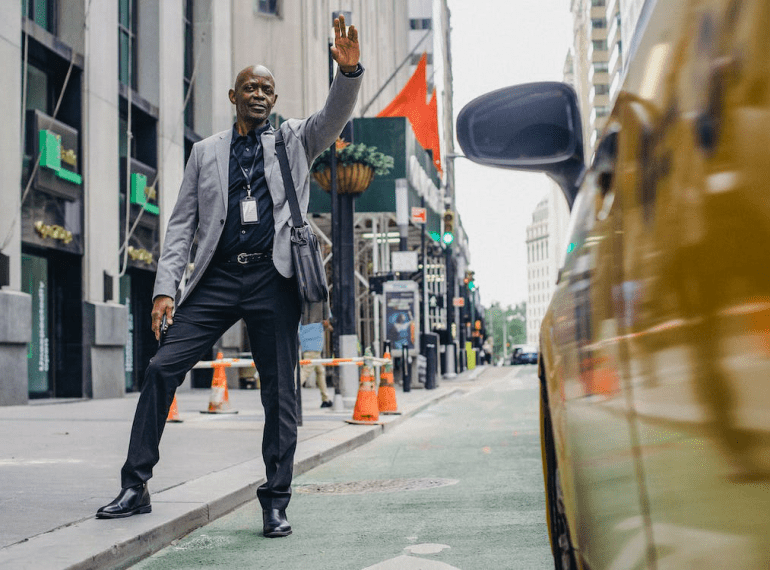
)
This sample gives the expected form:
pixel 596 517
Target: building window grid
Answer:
pixel 41 12
pixel 420 24
pixel 127 26
pixel 189 64
pixel 415 59
pixel 268 7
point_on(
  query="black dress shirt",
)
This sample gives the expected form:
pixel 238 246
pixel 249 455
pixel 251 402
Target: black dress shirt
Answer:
pixel 246 155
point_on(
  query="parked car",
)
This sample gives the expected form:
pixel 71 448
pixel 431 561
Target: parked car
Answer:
pixel 655 350
pixel 524 355
pixel 515 353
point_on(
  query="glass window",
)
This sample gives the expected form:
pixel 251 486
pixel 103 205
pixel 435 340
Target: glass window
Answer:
pixel 189 64
pixel 601 89
pixel 599 44
pixel 267 7
pixel 416 58
pixel 37 89
pixel 39 11
pixel 601 66
pixel 420 24
pixel 598 23
pixel 127 17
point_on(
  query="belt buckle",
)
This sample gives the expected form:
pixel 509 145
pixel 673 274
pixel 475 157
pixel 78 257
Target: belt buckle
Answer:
pixel 243 258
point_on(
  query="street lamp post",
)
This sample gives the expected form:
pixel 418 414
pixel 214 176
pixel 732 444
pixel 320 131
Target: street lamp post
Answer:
pixel 343 268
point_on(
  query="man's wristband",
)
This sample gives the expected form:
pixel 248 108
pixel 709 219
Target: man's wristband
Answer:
pixel 355 73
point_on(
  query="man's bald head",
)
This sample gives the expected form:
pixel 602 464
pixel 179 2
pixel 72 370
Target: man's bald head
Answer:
pixel 247 72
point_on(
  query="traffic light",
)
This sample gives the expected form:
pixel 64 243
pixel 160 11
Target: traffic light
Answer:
pixel 469 280
pixel 449 227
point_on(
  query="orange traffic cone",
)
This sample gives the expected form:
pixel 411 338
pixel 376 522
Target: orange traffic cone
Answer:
pixel 219 402
pixel 366 410
pixel 386 397
pixel 173 413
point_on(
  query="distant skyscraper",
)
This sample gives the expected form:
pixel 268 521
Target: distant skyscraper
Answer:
pixel 539 251
pixel 603 30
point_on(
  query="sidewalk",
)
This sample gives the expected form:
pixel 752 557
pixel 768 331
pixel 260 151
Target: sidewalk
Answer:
pixel 59 462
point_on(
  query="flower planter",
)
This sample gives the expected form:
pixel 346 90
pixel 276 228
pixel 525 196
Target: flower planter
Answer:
pixel 351 178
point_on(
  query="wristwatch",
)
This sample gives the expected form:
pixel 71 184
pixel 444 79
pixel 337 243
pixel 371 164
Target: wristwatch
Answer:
pixel 355 73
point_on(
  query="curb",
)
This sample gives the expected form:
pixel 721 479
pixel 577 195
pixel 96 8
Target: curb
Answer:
pixel 91 544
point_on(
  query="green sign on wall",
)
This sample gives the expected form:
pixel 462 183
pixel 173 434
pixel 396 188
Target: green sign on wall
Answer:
pixel 139 193
pixel 51 155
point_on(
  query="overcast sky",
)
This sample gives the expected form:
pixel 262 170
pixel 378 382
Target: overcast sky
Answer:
pixel 497 43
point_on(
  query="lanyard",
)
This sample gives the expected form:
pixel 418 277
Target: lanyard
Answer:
pixel 251 170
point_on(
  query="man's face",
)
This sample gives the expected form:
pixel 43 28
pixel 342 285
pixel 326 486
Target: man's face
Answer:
pixel 254 95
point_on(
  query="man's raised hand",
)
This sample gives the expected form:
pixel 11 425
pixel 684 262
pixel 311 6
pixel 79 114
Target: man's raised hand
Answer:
pixel 345 50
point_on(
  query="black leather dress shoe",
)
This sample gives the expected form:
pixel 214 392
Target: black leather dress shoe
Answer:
pixel 275 523
pixel 131 501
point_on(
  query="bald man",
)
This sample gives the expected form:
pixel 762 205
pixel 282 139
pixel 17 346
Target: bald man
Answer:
pixel 233 196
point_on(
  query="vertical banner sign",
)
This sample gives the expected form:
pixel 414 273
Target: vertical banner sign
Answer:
pixel 401 314
pixel 128 351
pixel 35 282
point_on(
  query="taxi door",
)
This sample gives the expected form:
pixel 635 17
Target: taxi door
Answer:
pixel 697 296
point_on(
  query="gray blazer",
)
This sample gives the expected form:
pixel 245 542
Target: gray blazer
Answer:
pixel 202 202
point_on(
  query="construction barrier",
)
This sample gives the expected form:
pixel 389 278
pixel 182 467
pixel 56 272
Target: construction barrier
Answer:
pixel 367 410
pixel 243 363
pixel 219 401
pixel 386 397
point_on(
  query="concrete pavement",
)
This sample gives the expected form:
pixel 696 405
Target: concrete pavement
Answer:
pixel 457 486
pixel 59 462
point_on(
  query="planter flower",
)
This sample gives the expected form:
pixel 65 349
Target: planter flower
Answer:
pixel 357 165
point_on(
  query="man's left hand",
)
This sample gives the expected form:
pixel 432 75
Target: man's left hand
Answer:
pixel 345 50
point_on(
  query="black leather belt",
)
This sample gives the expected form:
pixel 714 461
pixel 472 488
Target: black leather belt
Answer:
pixel 247 258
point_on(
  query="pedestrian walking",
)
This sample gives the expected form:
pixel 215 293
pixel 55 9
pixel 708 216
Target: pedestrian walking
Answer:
pixel 233 196
pixel 311 339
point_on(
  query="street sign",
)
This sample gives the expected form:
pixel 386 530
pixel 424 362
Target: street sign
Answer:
pixel 404 261
pixel 458 301
pixel 419 215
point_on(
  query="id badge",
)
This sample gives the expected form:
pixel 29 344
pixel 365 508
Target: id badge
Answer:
pixel 249 211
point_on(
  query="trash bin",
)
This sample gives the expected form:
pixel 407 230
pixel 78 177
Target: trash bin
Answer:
pixel 429 349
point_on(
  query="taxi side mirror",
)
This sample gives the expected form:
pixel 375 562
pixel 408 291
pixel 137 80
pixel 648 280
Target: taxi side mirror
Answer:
pixel 535 127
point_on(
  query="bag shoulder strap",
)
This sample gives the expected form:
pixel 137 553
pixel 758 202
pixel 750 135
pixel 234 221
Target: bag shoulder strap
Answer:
pixel 288 183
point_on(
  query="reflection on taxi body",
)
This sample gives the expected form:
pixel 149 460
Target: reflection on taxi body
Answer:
pixel 655 351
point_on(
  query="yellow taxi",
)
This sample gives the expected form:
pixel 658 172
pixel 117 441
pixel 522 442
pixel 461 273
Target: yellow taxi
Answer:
pixel 655 350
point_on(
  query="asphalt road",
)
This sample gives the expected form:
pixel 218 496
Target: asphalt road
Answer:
pixel 458 486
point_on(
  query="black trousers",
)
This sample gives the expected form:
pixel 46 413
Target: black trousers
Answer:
pixel 269 304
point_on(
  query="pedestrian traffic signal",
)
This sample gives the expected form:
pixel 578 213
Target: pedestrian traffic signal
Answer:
pixel 449 227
